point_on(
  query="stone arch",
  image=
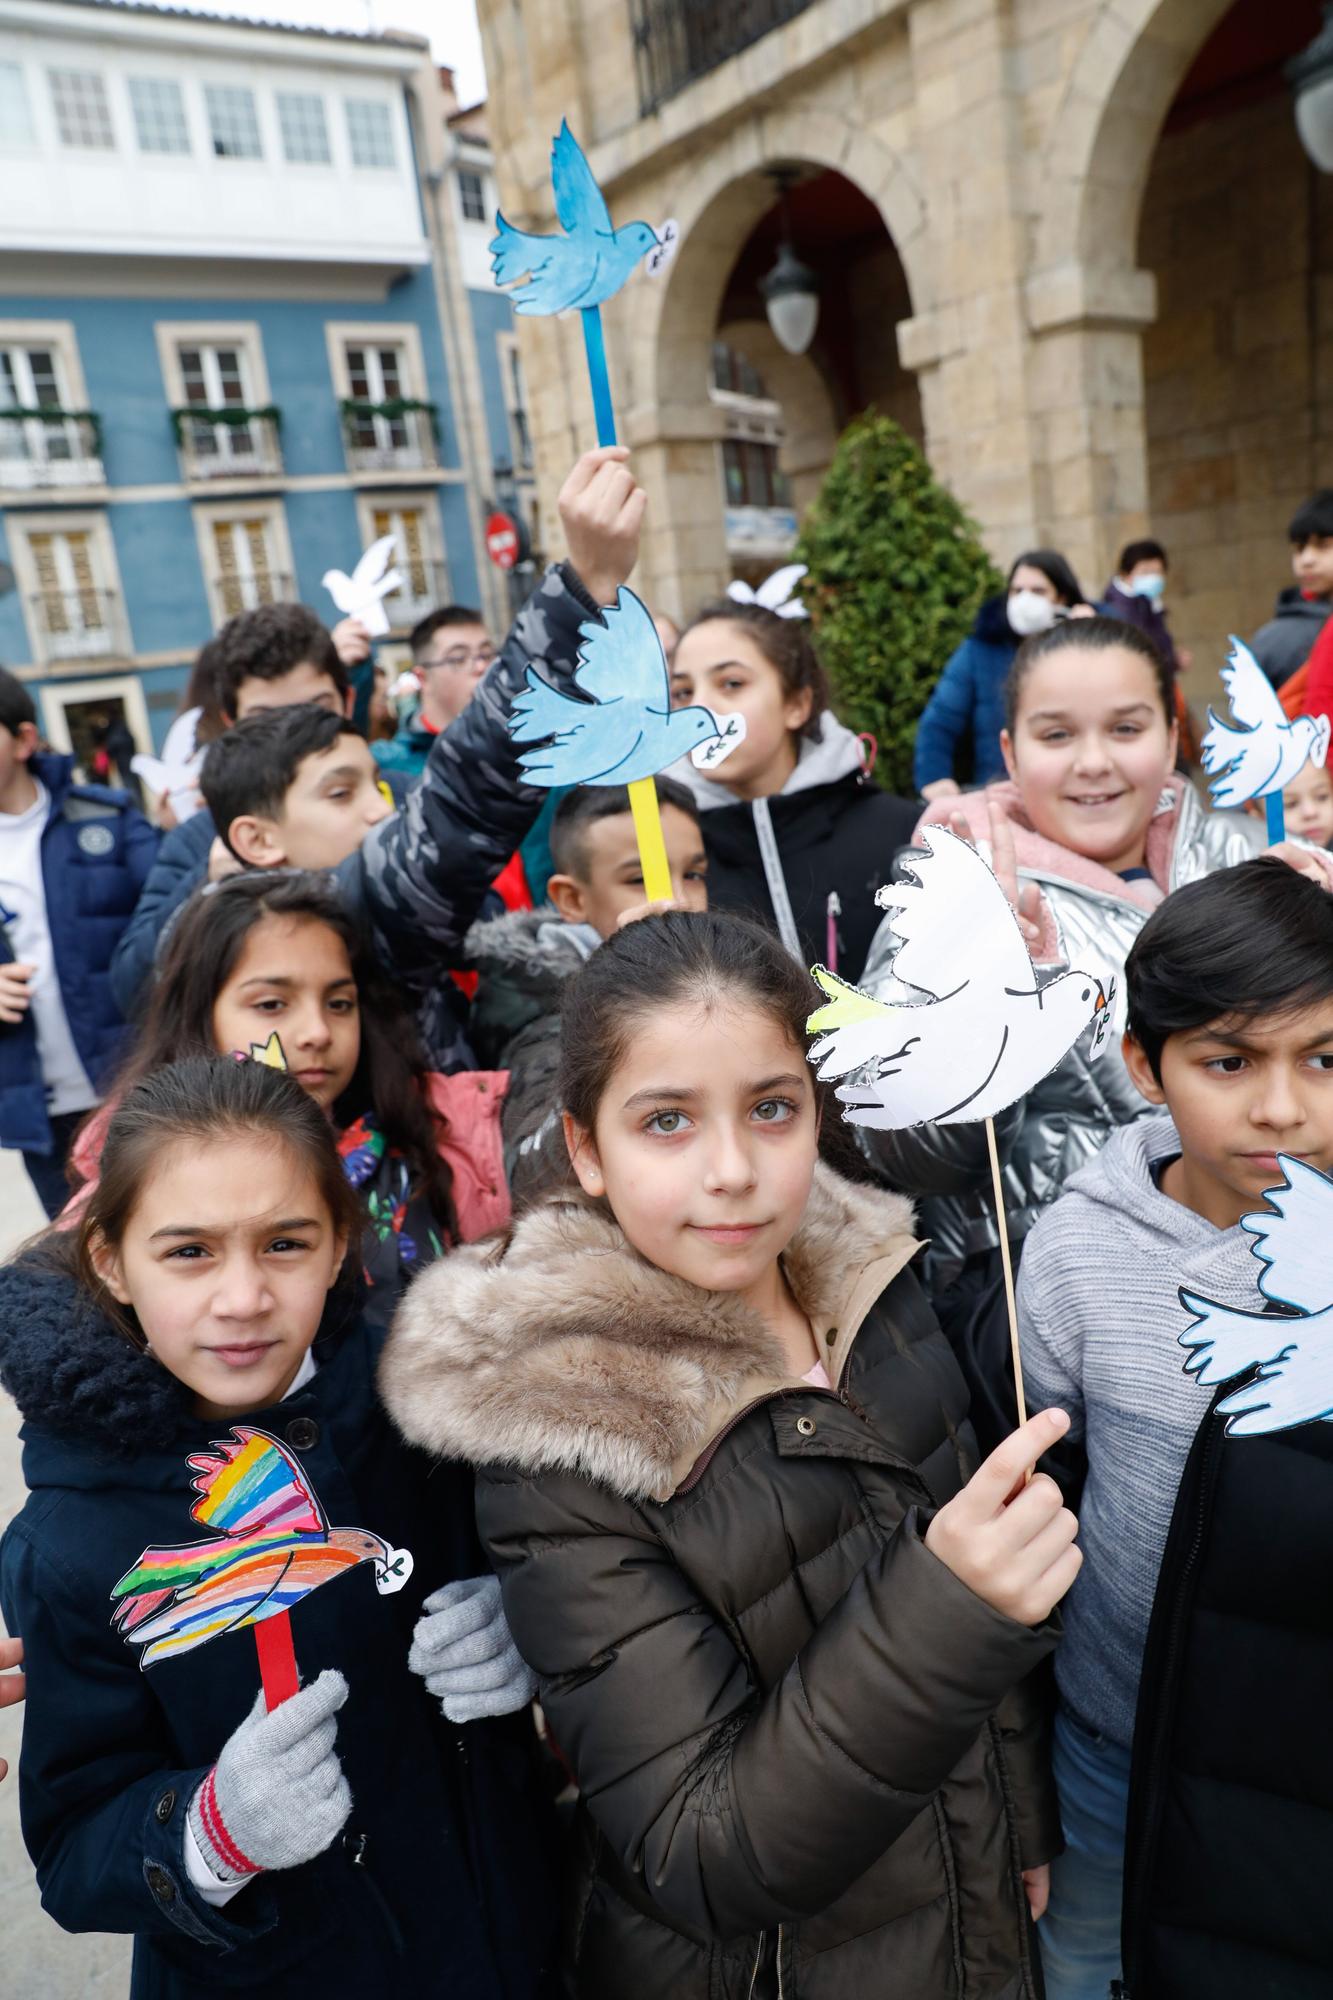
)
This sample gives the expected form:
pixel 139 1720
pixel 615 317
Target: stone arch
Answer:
pixel 1099 150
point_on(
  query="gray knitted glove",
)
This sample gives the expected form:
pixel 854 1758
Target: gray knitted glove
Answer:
pixel 277 1795
pixel 463 1650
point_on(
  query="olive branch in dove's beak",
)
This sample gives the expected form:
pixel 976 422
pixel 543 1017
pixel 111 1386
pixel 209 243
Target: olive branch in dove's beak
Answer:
pixel 668 242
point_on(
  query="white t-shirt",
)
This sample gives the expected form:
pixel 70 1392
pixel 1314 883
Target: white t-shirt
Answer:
pixel 23 913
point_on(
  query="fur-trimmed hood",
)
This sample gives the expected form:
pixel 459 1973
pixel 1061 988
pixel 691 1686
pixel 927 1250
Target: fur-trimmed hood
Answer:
pixel 561 1349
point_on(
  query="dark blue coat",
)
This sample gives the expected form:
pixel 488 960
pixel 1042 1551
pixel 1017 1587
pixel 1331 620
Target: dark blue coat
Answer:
pixel 97 850
pixel 968 700
pixel 440 1882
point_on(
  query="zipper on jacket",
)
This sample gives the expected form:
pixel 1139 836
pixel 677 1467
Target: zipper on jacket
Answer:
pixel 754 1970
pixel 355 1847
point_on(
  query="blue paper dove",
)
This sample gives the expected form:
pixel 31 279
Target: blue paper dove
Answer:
pixel 591 261
pixel 626 729
pixel 1294 1350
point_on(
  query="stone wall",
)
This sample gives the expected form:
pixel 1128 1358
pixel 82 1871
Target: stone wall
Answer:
pixel 1238 368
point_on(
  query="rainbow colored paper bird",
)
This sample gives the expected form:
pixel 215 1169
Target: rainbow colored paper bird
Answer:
pixel 271 1546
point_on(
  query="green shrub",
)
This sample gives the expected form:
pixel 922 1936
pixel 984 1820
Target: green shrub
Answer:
pixel 896 572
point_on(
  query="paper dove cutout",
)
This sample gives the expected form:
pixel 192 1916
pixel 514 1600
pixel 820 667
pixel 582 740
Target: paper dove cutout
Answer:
pixel 1263 752
pixel 174 776
pixel 627 728
pixel 985 1033
pixel 1295 1353
pixel 593 258
pixel 361 595
pixel 271 1546
pixel 775 593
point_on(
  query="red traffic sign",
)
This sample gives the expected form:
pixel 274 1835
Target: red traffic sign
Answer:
pixel 502 541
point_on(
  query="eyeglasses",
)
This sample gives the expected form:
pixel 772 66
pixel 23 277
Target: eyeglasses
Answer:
pixel 463 656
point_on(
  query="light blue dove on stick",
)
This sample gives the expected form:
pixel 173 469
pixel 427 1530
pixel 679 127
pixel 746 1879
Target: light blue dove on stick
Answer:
pixel 593 258
pixel 626 728
pixel 1295 1354
pixel 1259 752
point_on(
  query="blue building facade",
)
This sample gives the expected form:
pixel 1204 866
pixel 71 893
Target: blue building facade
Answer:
pixel 225 347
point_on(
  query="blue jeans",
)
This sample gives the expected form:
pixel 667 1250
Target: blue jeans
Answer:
pixel 1080 1932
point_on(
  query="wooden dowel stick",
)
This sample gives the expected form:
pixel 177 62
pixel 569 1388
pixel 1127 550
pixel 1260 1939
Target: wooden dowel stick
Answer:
pixel 1003 1229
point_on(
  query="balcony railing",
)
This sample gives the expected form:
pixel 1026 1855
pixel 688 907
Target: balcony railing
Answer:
pixel 45 448
pixel 425 588
pixel 76 624
pixel 239 592
pixel 678 40
pixel 229 443
pixel 397 436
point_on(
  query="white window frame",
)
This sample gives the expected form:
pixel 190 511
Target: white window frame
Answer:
pixel 14 142
pixel 234 90
pixel 478 174
pixel 386 111
pixel 106 578
pixel 207 513
pixel 245 336
pixel 62 695
pixel 80 69
pixel 405 612
pixel 339 335
pixel 303 98
pixel 21 474
pixel 170 84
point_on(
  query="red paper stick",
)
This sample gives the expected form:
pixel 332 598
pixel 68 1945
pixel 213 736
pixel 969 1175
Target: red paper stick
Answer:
pixel 277 1659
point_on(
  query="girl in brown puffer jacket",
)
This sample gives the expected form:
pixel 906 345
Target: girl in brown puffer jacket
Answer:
pixel 781 1624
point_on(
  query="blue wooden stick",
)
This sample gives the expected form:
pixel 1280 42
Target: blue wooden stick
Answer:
pixel 595 348
pixel 1277 818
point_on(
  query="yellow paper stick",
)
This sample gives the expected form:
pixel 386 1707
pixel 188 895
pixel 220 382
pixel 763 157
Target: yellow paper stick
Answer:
pixel 652 847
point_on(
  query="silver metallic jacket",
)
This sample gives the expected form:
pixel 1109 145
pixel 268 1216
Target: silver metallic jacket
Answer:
pixel 1058 1126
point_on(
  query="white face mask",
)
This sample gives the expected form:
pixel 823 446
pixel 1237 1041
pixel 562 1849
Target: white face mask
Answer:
pixel 1029 612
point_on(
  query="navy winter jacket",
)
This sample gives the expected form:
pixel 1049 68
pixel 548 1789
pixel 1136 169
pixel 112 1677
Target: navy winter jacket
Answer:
pixel 441 1880
pixel 968 700
pixel 97 850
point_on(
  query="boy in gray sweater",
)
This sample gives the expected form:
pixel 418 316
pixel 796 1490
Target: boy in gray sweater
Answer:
pixel 1230 990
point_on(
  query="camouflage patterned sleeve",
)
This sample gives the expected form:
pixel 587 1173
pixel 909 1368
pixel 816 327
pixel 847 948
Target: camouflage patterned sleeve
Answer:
pixel 423 873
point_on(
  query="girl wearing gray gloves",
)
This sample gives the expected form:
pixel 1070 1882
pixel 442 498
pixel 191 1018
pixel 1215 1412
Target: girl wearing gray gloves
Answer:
pixel 194 1373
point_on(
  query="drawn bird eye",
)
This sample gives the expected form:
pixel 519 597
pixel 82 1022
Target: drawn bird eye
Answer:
pixel 1087 993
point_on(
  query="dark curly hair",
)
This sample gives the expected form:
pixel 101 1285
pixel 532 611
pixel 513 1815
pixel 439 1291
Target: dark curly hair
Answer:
pixel 265 644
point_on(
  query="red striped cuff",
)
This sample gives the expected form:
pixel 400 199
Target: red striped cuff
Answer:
pixel 228 1852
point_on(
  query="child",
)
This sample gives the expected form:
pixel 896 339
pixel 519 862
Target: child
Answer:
pixel 349 1842
pixel 795 831
pixel 268 954
pixel 968 702
pixel 1231 1028
pixel 451 650
pixel 524 959
pixel 1137 594
pixel 709 1398
pixel 420 878
pixel 1096 827
pixel 1284 645
pixel 73 859
pixel 1308 805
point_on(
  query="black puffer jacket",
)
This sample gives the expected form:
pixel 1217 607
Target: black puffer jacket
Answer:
pixel 1230 1835
pixel 806 1764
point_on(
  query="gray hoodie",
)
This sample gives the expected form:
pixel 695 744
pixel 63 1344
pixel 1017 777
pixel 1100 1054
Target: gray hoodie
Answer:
pixel 1099 1317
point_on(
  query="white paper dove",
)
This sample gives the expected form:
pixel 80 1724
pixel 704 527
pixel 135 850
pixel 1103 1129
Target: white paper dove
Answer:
pixel 361 595
pixel 984 1033
pixel 775 593
pixel 174 775
pixel 1295 1380
pixel 1263 752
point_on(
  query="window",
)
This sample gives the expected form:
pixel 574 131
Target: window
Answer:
pixel 423 586
pixel 370 131
pixel 15 114
pixel 379 377
pixel 215 379
pixel 305 136
pixel 159 115
pixel 233 122
pixel 472 194
pixel 42 451
pixel 752 474
pixel 244 570
pixel 734 374
pixel 73 613
pixel 375 374
pixel 516 401
pixel 83 116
